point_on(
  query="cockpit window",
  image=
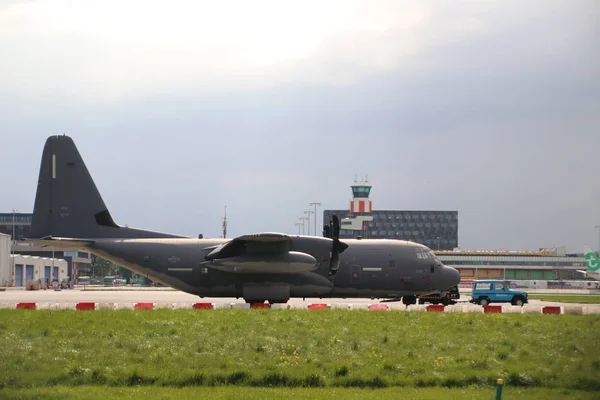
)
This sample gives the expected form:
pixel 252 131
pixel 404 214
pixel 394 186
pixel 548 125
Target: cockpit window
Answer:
pixel 423 253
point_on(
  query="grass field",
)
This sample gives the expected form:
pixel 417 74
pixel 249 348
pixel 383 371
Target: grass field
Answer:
pixel 295 349
pixel 567 298
pixel 246 393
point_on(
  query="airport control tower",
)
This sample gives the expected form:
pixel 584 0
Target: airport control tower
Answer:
pixel 360 209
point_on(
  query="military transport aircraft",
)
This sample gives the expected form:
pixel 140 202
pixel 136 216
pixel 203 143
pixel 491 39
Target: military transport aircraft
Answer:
pixel 70 213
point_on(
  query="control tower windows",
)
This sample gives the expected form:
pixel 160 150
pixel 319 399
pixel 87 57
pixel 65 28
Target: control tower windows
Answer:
pixel 361 191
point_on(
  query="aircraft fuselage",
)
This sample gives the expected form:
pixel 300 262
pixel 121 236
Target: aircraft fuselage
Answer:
pixel 367 268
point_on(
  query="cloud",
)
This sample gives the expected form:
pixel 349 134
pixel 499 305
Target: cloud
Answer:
pixel 109 50
pixel 181 108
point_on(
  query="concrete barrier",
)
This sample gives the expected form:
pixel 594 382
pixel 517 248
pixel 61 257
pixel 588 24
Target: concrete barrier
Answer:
pixel 509 309
pixel 492 309
pixel 10 306
pixel 378 307
pixel 203 306
pixel 223 306
pixel 358 306
pixel 455 308
pixel 48 306
pixel 124 306
pixel 528 309
pixel 85 306
pixel 280 306
pixel 105 306
pixel 417 307
pixel 472 308
pixel 144 306
pixel 340 306
pixel 573 310
pixel 163 306
pixel 551 310
pixel 397 306
pixel 242 306
pixel 26 306
pixel 435 308
pixel 591 310
pixel 298 306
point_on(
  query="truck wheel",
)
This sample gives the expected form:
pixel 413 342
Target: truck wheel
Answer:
pixel 518 301
pixel 483 301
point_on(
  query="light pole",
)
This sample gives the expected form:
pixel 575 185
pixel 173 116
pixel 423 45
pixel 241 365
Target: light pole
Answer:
pixel 302 219
pixel 315 204
pixel 438 242
pixel 598 227
pixel 298 224
pixel 308 220
pixel 12 244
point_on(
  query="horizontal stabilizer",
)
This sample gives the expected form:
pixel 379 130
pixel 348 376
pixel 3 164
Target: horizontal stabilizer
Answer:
pixel 61 243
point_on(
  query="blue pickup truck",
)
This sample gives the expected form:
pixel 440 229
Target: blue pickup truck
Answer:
pixel 496 291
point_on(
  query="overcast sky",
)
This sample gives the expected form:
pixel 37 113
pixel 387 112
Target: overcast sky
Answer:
pixel 180 108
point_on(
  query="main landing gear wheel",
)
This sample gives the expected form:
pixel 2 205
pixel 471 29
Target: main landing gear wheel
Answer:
pixel 253 301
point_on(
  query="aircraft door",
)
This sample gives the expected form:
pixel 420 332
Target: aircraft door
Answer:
pixel 204 275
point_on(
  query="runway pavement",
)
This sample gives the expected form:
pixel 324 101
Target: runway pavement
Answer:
pixel 165 295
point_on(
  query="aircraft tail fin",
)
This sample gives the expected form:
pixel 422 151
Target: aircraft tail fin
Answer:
pixel 68 203
pixel 592 260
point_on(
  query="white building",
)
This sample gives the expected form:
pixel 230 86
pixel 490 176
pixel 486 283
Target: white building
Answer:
pixel 5 265
pixel 21 270
pixel 30 269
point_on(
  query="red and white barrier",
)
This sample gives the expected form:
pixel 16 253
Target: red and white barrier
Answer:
pixel 463 308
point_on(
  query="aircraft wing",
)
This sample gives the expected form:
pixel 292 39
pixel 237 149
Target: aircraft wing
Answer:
pixel 261 253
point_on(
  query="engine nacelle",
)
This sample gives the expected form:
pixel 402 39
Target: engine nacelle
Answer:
pixel 290 262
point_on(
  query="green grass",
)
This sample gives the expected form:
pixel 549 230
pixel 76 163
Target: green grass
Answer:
pixel 297 348
pixel 152 392
pixel 567 298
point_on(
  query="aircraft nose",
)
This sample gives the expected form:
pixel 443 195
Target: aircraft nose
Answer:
pixel 452 276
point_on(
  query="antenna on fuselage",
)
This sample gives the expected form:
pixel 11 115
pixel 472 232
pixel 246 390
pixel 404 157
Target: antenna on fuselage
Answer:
pixel 225 223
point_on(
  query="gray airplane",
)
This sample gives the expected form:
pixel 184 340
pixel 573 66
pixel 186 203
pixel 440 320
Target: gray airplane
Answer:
pixel 70 213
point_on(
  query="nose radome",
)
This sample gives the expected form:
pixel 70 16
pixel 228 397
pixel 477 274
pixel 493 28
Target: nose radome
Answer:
pixel 453 276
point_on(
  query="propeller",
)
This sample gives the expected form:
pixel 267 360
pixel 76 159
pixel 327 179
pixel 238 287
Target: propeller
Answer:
pixel 332 230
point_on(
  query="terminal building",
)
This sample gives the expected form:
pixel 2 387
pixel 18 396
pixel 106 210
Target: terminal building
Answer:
pixel 437 230
pixel 543 265
pixel 18 227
